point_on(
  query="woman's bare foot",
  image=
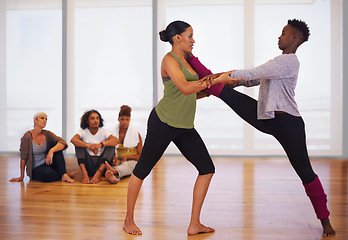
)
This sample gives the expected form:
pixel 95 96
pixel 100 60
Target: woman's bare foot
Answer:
pixel 194 229
pixel 108 167
pixel 66 178
pixel 73 174
pixel 131 228
pixel 110 177
pixel 328 230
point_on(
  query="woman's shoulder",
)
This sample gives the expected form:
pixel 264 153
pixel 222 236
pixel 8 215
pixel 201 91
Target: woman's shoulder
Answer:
pixel 132 127
pixel 25 139
pixel 169 61
pixel 27 134
pixel 50 134
pixel 169 64
pixel 168 57
pixel 116 127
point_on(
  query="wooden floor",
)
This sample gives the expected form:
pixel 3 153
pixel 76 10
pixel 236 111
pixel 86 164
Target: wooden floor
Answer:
pixel 247 199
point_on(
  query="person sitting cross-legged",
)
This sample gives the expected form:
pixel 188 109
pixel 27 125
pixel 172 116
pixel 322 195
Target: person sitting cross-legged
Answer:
pixel 93 146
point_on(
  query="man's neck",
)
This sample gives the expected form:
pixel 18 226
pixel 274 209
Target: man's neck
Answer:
pixel 93 130
pixel 291 49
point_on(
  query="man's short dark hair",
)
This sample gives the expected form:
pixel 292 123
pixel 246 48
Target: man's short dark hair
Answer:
pixel 301 27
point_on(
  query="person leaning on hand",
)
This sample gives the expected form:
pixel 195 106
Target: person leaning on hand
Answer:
pixel 41 153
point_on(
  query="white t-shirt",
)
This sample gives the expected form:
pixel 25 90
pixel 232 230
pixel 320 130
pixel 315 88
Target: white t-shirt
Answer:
pixel 89 138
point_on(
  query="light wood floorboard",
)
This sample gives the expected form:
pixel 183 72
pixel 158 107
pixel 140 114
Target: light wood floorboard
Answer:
pixel 247 199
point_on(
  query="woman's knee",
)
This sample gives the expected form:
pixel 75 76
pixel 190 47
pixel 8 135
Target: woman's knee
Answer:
pixel 207 170
pixel 58 156
pixel 45 174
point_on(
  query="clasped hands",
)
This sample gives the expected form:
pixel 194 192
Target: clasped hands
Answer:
pixel 219 78
pixel 94 147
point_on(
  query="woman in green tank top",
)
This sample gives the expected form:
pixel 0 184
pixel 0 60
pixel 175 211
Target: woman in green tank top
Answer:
pixel 172 121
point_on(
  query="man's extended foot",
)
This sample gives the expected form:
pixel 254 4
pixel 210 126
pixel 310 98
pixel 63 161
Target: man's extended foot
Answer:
pixel 66 178
pixel 328 230
pixel 131 228
pixel 110 177
pixel 194 229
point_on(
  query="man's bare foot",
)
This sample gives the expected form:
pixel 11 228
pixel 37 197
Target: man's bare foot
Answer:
pixel 66 178
pixel 131 228
pixel 194 229
pixel 85 180
pixel 96 178
pixel 328 230
pixel 110 177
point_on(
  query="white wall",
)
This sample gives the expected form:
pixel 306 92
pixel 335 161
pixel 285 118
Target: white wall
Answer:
pixel 345 79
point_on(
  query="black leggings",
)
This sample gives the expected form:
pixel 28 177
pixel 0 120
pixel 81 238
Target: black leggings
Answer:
pixel 158 137
pixel 287 129
pixel 53 172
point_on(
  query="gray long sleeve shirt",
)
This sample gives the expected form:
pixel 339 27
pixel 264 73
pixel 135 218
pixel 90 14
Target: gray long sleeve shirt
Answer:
pixel 277 79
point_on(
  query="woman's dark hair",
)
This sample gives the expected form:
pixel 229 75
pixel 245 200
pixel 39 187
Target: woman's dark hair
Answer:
pixel 301 27
pixel 176 27
pixel 125 111
pixel 85 117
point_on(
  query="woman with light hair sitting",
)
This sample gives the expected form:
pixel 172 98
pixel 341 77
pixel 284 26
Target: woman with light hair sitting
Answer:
pixel 41 152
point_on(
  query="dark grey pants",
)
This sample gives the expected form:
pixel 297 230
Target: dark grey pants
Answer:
pixel 287 129
pixel 92 163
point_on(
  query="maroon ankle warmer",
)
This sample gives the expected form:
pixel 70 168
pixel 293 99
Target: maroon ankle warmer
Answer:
pixel 316 194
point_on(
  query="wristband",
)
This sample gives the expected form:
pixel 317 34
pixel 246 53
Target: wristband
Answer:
pixel 102 144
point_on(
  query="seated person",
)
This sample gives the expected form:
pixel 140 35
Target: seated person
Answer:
pixel 93 146
pixel 41 152
pixel 127 151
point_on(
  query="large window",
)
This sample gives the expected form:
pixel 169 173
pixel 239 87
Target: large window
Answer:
pixel 218 47
pixel 319 99
pixel 109 59
pixel 243 34
pixel 30 68
pixel 112 59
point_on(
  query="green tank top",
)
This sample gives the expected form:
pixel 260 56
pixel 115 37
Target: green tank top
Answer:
pixel 175 108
